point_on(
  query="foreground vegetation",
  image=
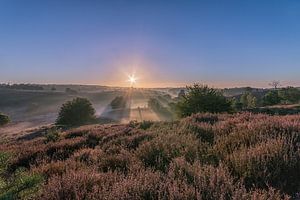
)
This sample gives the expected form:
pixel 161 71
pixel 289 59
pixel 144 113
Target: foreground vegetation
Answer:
pixel 205 156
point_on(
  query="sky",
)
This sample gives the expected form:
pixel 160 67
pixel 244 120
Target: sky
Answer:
pixel 163 43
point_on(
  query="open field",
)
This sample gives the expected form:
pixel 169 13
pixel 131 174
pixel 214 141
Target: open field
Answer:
pixel 31 109
pixel 205 156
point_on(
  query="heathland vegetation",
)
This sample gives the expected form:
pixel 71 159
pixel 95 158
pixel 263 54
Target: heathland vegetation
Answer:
pixel 204 156
pixel 214 147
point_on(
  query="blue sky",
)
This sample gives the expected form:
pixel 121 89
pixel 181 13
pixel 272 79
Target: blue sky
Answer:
pixel 165 43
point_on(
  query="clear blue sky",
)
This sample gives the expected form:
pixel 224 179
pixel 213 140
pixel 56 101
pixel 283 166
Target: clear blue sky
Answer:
pixel 221 43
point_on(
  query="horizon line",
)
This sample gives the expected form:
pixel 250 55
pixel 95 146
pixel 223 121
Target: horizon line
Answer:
pixel 158 87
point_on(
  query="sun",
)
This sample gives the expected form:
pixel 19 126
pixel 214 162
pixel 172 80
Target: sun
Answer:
pixel 132 79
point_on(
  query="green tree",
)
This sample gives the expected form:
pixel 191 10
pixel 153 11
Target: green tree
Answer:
pixel 201 98
pixel 248 100
pixel 237 105
pixel 271 98
pixel 244 100
pixel 252 101
pixel 78 111
pixel 4 119
pixel 289 95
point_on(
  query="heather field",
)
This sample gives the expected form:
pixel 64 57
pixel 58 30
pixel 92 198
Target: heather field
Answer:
pixel 205 156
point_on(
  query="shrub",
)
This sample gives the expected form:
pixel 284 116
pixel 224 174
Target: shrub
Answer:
pixel 267 164
pixel 204 156
pixel 5 159
pixel 83 184
pixel 52 135
pixel 114 162
pixel 159 152
pixel 88 156
pixel 145 124
pixel 209 182
pixel 79 111
pixel 201 98
pixel 140 184
pixel 201 130
pixel 4 119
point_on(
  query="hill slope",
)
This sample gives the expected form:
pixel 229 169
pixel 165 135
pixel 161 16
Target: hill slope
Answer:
pixel 242 156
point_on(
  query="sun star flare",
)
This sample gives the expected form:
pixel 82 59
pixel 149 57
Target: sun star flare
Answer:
pixel 132 79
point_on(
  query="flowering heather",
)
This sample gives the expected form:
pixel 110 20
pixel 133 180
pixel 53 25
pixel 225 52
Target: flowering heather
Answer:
pixel 204 156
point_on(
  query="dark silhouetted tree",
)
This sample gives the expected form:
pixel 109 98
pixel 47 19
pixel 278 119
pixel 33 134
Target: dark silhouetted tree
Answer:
pixel 275 84
pixel 78 111
pixel 201 98
pixel 271 98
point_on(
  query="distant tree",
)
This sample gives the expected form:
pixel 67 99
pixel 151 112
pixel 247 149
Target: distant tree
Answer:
pixel 201 98
pixel 275 84
pixel 244 100
pixel 78 111
pixel 289 95
pixel 252 101
pixel 4 119
pixel 248 100
pixel 237 105
pixel 118 102
pixel 271 98
pixel 248 89
pixel 22 86
pixel 53 89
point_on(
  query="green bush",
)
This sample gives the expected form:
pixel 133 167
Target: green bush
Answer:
pixel 4 119
pixel 201 98
pixel 79 111
pixel 145 125
pixel 52 135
